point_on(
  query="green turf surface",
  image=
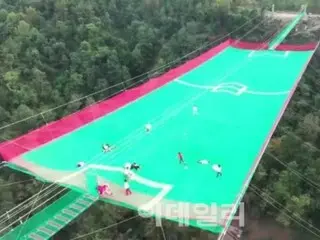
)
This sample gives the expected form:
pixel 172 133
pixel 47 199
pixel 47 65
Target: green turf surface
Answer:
pixel 230 129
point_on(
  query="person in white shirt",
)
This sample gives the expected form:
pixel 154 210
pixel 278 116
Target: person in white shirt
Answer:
pixel 127 171
pixel 127 187
pixel 218 169
pixel 204 162
pixel 106 147
pixel 127 166
pixel 195 110
pixel 148 127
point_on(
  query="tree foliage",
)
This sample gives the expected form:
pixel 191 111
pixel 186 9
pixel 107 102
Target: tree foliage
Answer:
pixel 56 51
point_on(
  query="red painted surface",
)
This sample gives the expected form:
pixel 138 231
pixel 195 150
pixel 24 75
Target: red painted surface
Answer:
pixel 265 45
pixel 11 149
pixel 249 45
pixel 301 47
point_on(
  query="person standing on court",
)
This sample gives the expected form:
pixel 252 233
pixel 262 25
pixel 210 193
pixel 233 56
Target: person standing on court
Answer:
pixel 80 164
pixel 106 148
pixel 195 110
pixel 180 157
pixel 148 127
pixel 127 188
pixel 135 166
pixel 218 169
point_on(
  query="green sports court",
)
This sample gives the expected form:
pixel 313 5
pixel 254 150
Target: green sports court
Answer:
pixel 239 94
pixel 240 91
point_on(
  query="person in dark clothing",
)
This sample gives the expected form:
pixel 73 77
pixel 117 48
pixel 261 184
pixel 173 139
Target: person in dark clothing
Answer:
pixel 180 157
pixel 106 148
pixel 135 166
pixel 218 169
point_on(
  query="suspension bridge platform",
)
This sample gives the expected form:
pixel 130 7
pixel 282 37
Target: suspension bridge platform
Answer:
pixel 46 223
pixel 241 90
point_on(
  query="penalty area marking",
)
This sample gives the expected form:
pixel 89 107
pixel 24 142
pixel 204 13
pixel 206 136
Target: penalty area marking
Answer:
pixel 233 88
pixel 166 188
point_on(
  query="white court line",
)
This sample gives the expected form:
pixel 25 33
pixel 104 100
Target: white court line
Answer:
pixel 232 84
pixel 267 93
pixel 251 53
pixel 196 85
pixel 223 88
pixel 268 53
pixel 156 199
pixel 135 177
pixel 166 188
pixel 241 90
pixel 228 91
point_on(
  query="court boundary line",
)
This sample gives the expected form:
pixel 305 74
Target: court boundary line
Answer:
pixel 166 188
pixel 212 53
pixel 223 87
pixel 255 53
pixel 256 162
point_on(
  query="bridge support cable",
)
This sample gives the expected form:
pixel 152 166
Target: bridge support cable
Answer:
pixel 278 39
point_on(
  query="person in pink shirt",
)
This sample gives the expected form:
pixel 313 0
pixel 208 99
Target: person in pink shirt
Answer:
pixel 104 190
pixel 108 190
